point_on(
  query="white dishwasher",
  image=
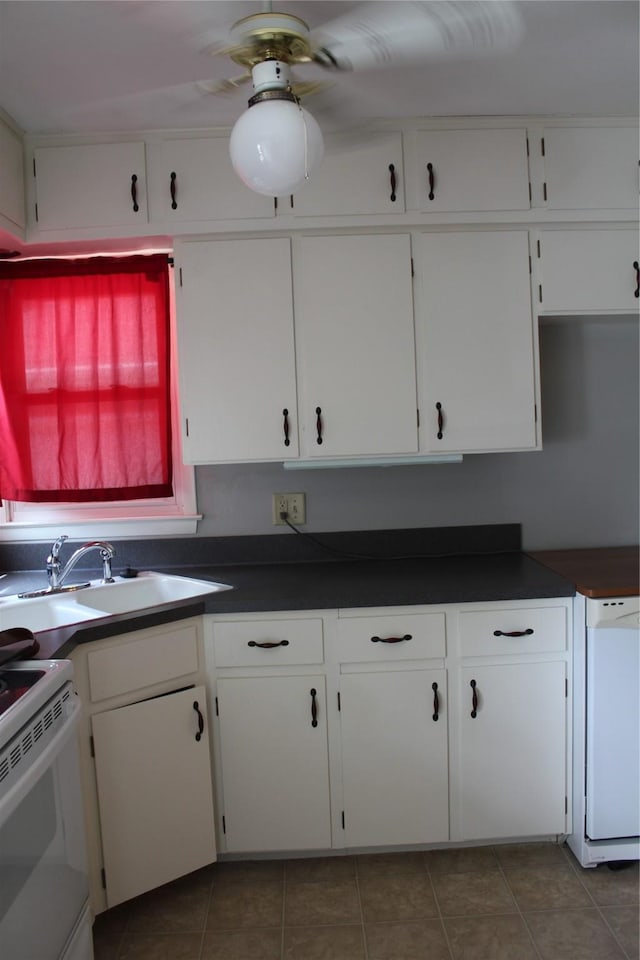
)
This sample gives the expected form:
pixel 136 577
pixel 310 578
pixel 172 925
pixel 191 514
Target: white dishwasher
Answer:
pixel 606 731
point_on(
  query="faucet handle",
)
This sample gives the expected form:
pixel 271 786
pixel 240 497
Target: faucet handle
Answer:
pixel 55 549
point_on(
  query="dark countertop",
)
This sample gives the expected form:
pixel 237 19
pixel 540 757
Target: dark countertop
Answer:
pixel 271 587
pixel 597 572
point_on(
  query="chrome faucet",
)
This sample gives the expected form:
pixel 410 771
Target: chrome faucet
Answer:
pixel 56 574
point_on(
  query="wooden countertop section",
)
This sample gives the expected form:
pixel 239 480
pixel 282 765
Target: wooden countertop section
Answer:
pixel 597 572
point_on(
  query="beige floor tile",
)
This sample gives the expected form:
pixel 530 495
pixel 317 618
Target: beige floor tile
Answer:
pixel 177 907
pixel 611 887
pixel 242 905
pixel 260 944
pixel 397 898
pixel 573 935
pixel 320 902
pixel 390 864
pixel 625 923
pixel 472 894
pixel 490 938
pixel 324 943
pixel 248 870
pixel 320 868
pixel 414 940
pixel 546 887
pixel 106 946
pixel 462 860
pixel 167 946
pixel 528 854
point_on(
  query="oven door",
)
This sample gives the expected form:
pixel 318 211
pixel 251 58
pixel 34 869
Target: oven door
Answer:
pixel 43 871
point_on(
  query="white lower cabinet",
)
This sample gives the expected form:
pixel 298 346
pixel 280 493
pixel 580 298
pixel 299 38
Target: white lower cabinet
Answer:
pixel 145 759
pixel 274 757
pixel 394 757
pixel 154 791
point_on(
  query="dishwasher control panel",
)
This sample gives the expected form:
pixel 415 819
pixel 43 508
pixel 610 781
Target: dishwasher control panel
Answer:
pixel 613 611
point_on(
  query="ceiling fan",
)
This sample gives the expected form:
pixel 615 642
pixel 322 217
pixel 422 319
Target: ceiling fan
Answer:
pixel 276 144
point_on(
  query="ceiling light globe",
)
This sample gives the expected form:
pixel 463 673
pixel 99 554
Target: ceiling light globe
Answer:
pixel 275 146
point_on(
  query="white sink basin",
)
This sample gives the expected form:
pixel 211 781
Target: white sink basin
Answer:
pixel 101 600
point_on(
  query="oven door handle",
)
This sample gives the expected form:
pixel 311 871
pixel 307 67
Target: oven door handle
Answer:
pixel 11 800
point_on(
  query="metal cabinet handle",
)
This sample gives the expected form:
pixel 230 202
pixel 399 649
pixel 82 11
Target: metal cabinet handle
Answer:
pixel 268 644
pixel 474 700
pixel 436 701
pixel 440 421
pixel 285 426
pixel 513 633
pixel 314 707
pixel 134 192
pixel 636 267
pixel 431 181
pixel 196 707
pixel 319 424
pixel 407 636
pixel 392 181
pixel 172 191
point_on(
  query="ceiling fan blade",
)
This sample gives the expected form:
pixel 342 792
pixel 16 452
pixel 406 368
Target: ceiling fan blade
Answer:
pixel 391 34
pixel 228 85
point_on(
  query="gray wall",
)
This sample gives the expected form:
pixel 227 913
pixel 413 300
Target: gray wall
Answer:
pixel 581 490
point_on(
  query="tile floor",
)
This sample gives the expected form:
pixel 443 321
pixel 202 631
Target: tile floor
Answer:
pixel 513 902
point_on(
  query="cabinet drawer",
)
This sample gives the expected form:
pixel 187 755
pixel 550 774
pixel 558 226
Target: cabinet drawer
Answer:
pixel 262 643
pixel 143 662
pixel 533 630
pixel 362 639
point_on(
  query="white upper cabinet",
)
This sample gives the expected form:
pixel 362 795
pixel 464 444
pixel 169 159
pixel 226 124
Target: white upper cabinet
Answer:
pixel 355 345
pixel 11 177
pixel 472 170
pixel 193 180
pixel 236 352
pixel 91 185
pixel 356 176
pixel 475 341
pixel 590 168
pixel 588 271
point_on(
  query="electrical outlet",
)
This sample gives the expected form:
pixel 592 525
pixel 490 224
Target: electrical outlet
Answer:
pixel 293 504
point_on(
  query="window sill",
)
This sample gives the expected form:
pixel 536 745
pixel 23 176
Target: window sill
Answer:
pixel 99 528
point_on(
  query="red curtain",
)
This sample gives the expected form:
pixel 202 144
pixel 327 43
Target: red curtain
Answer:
pixel 84 379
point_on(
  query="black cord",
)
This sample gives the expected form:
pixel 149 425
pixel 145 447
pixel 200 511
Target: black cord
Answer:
pixel 365 556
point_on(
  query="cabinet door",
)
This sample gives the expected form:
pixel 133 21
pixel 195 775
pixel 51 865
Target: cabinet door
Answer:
pixel 236 352
pixel 394 757
pixel 355 178
pixel 274 763
pixel 153 775
pixel 472 170
pixel 589 271
pixel 512 776
pixel 11 177
pixel 475 342
pixel 96 185
pixel 588 168
pixel 355 345
pixel 192 180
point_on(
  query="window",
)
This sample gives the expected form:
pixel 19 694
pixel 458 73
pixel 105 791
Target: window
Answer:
pixel 87 399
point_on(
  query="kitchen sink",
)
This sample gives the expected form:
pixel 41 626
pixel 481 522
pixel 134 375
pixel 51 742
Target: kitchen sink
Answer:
pixel 100 599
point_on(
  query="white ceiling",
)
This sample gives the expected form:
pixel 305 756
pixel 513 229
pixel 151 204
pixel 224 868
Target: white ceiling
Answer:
pixel 123 65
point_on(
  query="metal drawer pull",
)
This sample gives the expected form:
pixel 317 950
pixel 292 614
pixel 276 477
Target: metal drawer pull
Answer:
pixel 513 633
pixel 392 181
pixel 172 191
pixel 436 701
pixel 196 707
pixel 440 420
pixel 431 181
pixel 314 707
pixel 285 426
pixel 319 424
pixel 636 267
pixel 268 644
pixel 134 192
pixel 407 636
pixel 474 700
